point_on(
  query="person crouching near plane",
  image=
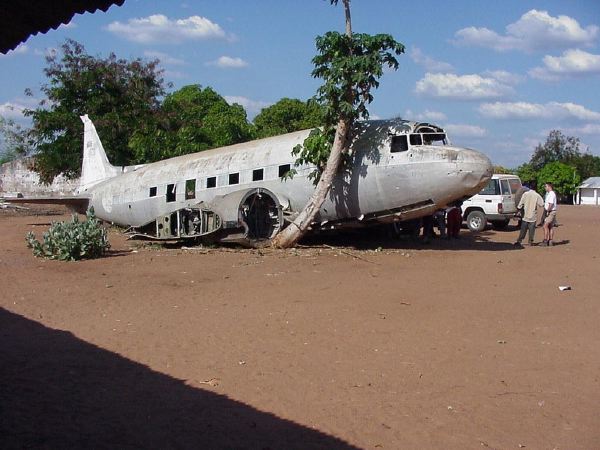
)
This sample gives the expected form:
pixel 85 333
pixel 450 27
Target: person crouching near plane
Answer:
pixel 530 201
pixel 550 207
pixel 453 219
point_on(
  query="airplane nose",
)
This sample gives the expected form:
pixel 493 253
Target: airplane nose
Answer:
pixel 474 168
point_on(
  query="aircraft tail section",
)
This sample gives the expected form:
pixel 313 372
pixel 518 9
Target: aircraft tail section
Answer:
pixel 96 167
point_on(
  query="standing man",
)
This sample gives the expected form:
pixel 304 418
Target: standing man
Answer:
pixel 530 201
pixel 550 207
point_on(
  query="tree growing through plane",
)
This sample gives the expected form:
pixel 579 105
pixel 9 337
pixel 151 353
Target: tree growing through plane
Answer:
pixel 350 65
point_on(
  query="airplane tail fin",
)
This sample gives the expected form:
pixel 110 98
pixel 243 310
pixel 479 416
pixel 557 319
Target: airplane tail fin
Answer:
pixel 96 167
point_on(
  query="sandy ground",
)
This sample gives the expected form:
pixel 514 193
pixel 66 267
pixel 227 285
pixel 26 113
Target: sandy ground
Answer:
pixel 457 345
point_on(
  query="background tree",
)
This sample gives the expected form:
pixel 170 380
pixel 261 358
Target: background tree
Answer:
pixel 564 178
pixel 288 115
pixel 117 94
pixel 502 169
pixel 527 174
pixel 557 147
pixel 190 120
pixel 14 140
pixel 350 65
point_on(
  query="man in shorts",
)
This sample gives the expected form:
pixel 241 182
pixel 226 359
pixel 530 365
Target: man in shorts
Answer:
pixel 550 207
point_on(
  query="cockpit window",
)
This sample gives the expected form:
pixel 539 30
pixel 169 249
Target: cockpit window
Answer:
pixel 416 139
pixel 434 139
pixel 399 144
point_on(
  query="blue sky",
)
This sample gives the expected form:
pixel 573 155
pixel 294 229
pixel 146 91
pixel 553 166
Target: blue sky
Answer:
pixel 498 75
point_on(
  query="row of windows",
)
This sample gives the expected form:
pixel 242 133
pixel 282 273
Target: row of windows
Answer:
pixel 400 143
pixel 211 182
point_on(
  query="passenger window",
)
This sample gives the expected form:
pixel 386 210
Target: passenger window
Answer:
pixel 285 168
pixel 234 178
pixel 171 192
pixel 399 144
pixel 152 192
pixel 505 188
pixel 416 139
pixel 211 182
pixel 190 189
pixel 258 174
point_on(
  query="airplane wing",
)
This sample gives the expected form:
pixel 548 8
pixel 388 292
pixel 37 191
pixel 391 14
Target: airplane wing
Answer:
pixel 79 204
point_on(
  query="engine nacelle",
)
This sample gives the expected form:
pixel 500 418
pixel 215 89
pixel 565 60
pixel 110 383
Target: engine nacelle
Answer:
pixel 250 217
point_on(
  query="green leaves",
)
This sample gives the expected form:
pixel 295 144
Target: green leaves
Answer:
pixel 564 178
pixel 288 115
pixel 117 94
pixel 350 68
pixel 70 241
pixel 190 120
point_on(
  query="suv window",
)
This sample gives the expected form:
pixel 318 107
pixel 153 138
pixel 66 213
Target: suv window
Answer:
pixel 505 188
pixel 515 184
pixel 492 188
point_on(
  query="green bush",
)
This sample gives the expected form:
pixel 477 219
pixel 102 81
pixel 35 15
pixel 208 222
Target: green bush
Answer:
pixel 71 241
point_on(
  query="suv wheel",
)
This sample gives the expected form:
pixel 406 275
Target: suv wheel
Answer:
pixel 476 221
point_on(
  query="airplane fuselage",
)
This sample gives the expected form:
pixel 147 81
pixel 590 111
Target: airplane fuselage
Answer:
pixel 391 179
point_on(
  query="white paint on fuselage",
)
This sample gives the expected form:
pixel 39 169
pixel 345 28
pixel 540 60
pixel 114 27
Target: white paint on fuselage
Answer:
pixel 380 180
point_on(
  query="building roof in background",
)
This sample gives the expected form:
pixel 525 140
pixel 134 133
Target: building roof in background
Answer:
pixel 592 182
pixel 22 18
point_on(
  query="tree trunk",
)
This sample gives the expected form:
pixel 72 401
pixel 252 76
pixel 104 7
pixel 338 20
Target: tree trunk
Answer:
pixel 289 236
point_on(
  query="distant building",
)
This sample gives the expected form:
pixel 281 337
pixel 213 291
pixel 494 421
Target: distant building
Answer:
pixel 588 192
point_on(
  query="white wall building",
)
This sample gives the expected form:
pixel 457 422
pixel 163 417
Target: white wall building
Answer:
pixel 588 193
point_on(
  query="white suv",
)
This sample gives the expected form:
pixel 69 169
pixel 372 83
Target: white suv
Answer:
pixel 495 203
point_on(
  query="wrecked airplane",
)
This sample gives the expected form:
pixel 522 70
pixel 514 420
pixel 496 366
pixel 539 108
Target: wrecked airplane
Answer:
pixel 400 170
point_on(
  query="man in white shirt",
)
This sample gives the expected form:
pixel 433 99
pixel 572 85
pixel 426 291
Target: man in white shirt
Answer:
pixel 530 201
pixel 550 206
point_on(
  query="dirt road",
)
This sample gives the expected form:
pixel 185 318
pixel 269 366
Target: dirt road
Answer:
pixel 455 345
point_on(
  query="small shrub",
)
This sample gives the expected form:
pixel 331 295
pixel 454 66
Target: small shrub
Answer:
pixel 71 241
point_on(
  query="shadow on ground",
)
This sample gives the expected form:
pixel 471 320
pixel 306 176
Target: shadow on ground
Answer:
pixel 57 391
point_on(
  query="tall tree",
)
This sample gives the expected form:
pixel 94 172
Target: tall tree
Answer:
pixel 117 94
pixel 557 147
pixel 350 65
pixel 288 115
pixel 190 120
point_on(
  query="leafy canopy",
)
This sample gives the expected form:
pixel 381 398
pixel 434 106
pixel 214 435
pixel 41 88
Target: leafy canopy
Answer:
pixel 190 120
pixel 350 67
pixel 564 178
pixel 286 116
pixel 118 95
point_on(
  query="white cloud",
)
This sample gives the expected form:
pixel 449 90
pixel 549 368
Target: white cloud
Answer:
pixel 252 107
pixel 504 77
pixel 587 129
pixel 535 30
pixel 461 87
pixel 12 111
pixel 159 28
pixel 456 129
pixel 551 110
pixel 164 58
pixel 430 64
pixel 19 50
pixel 572 63
pixel 227 62
pixel 434 116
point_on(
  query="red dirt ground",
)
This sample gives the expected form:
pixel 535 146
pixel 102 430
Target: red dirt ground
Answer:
pixel 455 345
